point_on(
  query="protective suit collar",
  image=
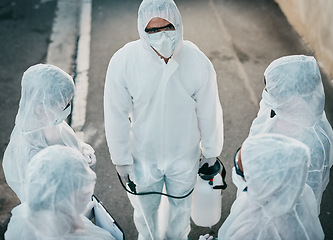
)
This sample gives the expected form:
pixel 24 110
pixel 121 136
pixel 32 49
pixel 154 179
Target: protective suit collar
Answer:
pixel 165 9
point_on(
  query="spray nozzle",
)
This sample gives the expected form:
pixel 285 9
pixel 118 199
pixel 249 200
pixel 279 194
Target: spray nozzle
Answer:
pixel 131 185
pixel 211 182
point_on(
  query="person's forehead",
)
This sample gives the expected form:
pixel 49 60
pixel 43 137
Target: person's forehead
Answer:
pixel 157 22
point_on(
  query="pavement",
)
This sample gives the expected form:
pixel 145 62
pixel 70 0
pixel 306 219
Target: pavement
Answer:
pixel 25 30
pixel 240 38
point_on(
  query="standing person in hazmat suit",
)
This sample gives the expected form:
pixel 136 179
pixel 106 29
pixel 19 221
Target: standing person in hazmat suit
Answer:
pixel 45 103
pixel 59 185
pixel 278 204
pixel 162 111
pixel 293 105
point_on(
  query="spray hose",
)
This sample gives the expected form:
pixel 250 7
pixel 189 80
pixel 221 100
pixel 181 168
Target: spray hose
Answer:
pixel 132 186
pixel 133 191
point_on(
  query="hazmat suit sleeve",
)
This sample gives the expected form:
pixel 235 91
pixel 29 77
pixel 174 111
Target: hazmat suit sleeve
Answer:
pixel 69 138
pixel 117 107
pixel 210 116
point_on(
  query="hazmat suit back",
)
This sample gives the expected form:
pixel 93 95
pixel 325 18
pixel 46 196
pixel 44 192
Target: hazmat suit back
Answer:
pixel 175 115
pixel 278 204
pixel 295 93
pixel 59 185
pixel 46 92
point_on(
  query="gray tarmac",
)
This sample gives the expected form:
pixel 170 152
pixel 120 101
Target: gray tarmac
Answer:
pixel 240 38
pixel 25 29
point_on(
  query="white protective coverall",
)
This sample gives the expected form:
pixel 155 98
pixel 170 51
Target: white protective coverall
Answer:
pixel 175 115
pixel 295 92
pixel 59 185
pixel 278 203
pixel 46 91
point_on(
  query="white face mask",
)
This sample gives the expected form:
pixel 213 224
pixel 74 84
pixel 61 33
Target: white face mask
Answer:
pixel 64 114
pixel 163 42
pixel 238 180
pixel 267 98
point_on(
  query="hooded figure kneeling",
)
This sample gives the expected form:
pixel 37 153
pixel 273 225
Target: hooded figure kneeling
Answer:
pixel 277 203
pixel 59 185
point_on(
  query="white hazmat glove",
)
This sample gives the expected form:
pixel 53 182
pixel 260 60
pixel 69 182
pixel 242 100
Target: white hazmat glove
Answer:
pixel 206 237
pixel 89 153
pixel 125 172
pixel 210 161
pixel 91 159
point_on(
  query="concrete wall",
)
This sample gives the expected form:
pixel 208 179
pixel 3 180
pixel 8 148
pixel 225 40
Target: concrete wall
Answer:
pixel 313 20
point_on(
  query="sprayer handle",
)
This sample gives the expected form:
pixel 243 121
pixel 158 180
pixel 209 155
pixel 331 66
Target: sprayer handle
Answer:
pixel 220 187
pixel 131 185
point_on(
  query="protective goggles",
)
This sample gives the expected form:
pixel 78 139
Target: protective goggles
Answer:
pixel 168 27
pixel 238 170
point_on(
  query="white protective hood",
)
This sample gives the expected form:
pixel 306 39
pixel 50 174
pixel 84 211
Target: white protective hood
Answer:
pixel 59 186
pixel 165 9
pixel 295 89
pixel 46 91
pixel 278 204
pixel 295 92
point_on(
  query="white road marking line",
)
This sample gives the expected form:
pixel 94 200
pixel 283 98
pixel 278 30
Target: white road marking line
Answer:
pixel 64 35
pixel 73 22
pixel 83 64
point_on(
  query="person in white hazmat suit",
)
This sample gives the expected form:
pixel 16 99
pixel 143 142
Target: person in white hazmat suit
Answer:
pixel 278 204
pixel 293 105
pixel 162 110
pixel 45 103
pixel 59 185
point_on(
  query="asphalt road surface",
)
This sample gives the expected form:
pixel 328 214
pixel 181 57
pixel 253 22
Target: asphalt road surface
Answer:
pixel 240 38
